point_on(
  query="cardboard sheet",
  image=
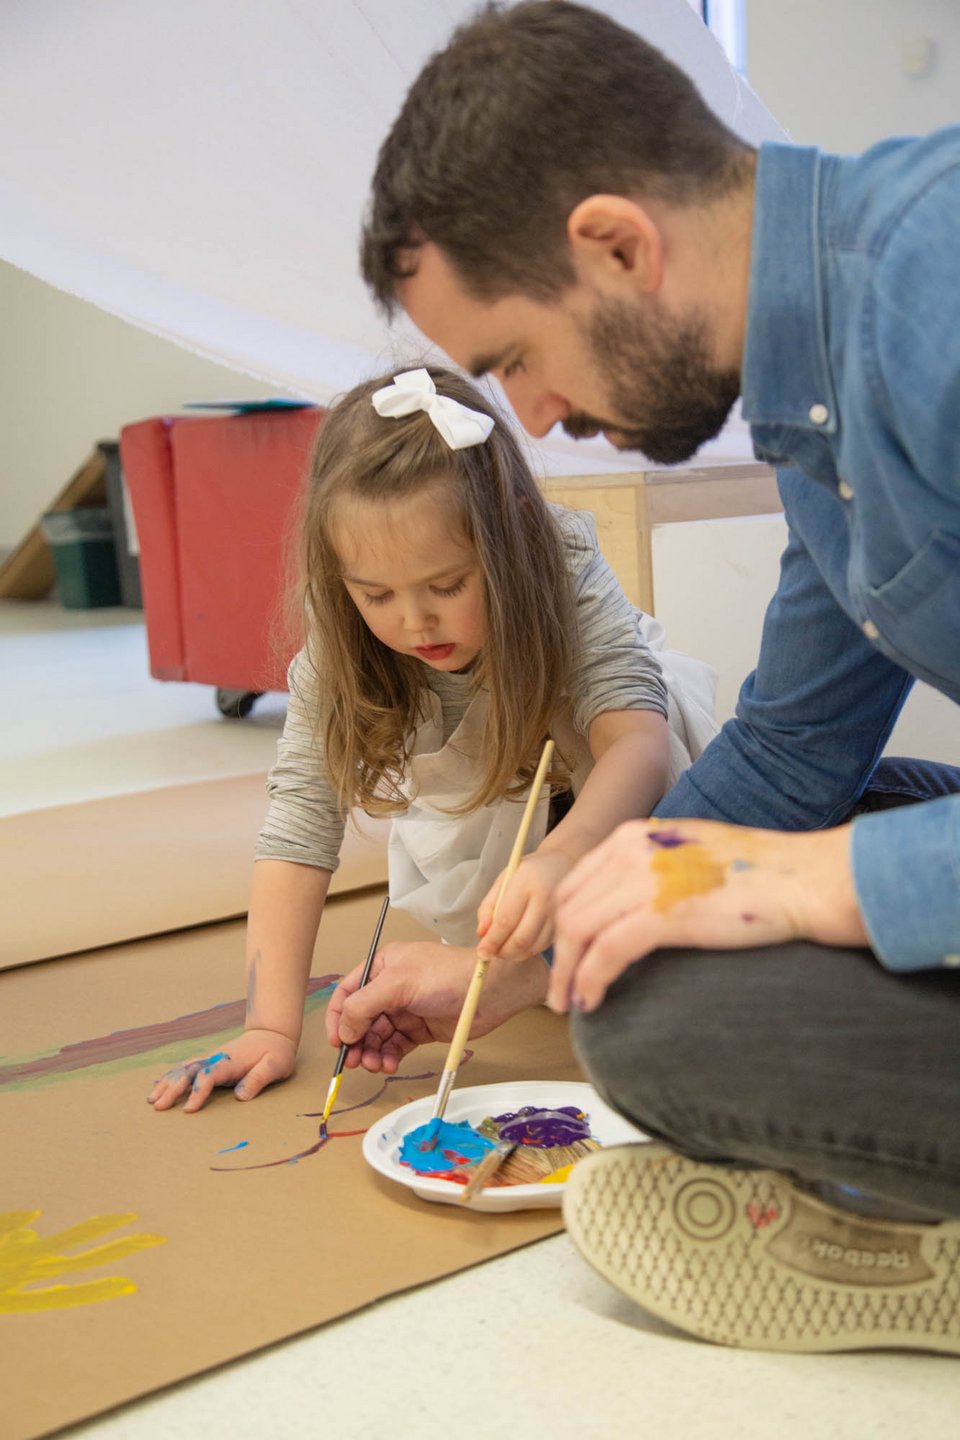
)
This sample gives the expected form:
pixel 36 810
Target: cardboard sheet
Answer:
pixel 74 877
pixel 248 1256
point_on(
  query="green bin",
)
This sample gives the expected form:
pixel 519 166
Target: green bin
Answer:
pixel 83 553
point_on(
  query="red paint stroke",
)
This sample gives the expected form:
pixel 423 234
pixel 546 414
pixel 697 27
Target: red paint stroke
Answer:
pixel 103 1048
pixel 325 1134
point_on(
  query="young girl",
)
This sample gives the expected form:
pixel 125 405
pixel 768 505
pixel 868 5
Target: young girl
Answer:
pixel 453 619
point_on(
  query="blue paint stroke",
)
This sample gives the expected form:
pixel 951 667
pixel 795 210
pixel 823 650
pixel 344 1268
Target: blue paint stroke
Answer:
pixel 240 1145
pixel 212 1060
pixel 456 1146
pixel 742 865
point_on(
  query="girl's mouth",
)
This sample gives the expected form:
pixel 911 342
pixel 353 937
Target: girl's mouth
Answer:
pixel 434 652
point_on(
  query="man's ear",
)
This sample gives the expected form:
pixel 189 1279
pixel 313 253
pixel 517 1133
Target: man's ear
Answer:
pixel 613 238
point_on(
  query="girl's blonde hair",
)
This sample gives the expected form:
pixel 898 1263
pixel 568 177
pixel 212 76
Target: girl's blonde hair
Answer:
pixel 370 694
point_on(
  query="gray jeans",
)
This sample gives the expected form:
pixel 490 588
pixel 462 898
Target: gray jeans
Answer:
pixel 807 1059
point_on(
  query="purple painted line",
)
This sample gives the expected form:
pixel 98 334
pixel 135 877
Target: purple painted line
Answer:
pixel 103 1048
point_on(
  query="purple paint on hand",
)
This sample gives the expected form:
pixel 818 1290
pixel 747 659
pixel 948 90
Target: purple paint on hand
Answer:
pixel 666 839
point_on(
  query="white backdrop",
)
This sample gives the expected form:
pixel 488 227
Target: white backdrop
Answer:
pixel 200 167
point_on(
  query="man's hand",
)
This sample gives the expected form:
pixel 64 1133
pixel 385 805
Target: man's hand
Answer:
pixel 414 996
pixel 250 1063
pixel 524 923
pixel 657 883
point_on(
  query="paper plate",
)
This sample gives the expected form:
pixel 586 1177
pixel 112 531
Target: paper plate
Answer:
pixel 381 1144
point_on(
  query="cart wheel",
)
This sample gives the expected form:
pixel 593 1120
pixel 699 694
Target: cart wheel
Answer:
pixel 237 704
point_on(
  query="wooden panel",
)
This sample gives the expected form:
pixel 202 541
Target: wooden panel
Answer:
pixel 627 507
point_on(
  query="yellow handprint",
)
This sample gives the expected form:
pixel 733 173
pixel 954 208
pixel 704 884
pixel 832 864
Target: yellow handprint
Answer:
pixel 25 1258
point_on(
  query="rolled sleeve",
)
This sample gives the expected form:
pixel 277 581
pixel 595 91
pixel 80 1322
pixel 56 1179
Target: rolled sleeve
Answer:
pixel 906 870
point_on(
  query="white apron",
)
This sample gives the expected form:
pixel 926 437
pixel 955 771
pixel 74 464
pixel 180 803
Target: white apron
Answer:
pixel 442 865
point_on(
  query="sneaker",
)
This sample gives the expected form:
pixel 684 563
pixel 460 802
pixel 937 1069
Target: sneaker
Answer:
pixel 744 1257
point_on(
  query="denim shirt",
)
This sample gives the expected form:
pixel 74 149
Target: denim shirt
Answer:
pixel 851 386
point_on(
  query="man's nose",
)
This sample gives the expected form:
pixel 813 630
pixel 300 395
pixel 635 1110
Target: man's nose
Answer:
pixel 537 410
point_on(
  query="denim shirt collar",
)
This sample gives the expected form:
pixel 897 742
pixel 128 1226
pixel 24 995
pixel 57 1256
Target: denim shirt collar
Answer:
pixel 786 377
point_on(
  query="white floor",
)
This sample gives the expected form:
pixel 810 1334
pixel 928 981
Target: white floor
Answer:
pixel 531 1345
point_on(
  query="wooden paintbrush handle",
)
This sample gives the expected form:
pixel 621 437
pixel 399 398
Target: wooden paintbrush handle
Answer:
pixel 472 999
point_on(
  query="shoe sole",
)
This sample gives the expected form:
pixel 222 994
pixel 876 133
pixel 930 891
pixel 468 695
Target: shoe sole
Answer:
pixel 742 1257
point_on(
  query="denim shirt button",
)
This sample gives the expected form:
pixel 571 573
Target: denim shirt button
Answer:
pixel 845 491
pixel 819 414
pixel 870 630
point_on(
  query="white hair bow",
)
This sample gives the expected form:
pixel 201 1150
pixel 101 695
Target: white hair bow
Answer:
pixel 414 390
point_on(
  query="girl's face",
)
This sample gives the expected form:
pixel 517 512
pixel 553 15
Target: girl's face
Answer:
pixel 414 576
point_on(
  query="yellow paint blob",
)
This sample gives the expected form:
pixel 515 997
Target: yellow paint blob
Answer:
pixel 556 1177
pixel 27 1259
pixel 685 870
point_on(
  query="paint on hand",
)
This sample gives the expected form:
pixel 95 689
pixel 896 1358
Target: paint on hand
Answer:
pixel 26 1258
pixel 667 839
pixel 213 1060
pixel 457 1147
pixel 684 869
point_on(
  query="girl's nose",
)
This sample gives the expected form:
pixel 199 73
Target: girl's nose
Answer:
pixel 418 618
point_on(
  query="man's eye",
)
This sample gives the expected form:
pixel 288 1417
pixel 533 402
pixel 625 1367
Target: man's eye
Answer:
pixel 513 368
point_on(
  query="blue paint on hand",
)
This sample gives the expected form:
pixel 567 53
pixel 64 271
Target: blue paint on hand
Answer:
pixel 212 1060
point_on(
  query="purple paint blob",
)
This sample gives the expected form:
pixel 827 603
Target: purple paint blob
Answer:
pixel 666 839
pixel 544 1128
pixel 457 1146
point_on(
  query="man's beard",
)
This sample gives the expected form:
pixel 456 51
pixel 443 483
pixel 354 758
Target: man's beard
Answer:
pixel 668 395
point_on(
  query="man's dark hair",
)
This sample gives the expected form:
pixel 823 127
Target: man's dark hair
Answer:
pixel 527 111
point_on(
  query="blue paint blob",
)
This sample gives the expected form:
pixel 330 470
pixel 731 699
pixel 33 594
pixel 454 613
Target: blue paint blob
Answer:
pixel 457 1146
pixel 742 865
pixel 240 1145
pixel 212 1060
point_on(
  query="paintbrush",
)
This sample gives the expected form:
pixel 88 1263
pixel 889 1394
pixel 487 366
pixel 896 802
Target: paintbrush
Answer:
pixel 457 1044
pixel 487 1167
pixel 334 1085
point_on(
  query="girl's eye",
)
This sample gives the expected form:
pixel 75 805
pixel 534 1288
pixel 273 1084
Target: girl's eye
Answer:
pixel 377 599
pixel 452 590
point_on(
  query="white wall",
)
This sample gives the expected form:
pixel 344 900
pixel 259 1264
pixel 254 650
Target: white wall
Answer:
pixel 835 72
pixel 712 582
pixel 71 375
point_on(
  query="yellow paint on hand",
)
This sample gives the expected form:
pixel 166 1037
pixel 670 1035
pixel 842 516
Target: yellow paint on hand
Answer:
pixel 685 870
pixel 26 1258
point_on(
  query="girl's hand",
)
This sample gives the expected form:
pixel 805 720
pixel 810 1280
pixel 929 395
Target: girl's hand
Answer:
pixel 525 915
pixel 250 1063
pixel 657 883
pixel 414 996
